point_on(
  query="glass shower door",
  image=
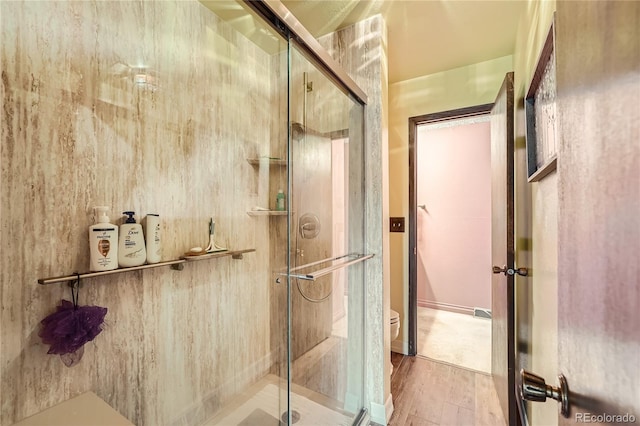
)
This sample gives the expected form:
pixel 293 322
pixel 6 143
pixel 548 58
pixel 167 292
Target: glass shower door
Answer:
pixel 301 360
pixel 326 223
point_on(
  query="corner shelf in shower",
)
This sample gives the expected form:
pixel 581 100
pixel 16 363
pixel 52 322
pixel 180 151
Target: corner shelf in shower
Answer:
pixel 267 161
pixel 177 264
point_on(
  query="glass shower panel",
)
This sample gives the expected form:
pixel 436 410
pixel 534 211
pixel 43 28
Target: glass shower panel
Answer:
pixel 325 232
pixel 300 360
pixel 249 353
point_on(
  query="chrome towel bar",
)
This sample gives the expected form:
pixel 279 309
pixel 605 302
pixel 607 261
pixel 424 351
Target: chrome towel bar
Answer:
pixel 329 259
pixel 356 258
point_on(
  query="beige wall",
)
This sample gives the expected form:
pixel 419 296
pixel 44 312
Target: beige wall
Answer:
pixel 536 224
pixel 544 299
pixel 77 132
pixel 458 88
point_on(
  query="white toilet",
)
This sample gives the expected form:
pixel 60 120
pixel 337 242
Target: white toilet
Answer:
pixel 394 328
pixel 394 324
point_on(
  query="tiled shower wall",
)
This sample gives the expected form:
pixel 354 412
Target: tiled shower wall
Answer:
pixel 145 106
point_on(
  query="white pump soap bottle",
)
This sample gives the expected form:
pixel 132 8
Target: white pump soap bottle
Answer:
pixel 103 242
pixel 131 249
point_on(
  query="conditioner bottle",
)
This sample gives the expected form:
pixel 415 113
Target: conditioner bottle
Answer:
pixel 131 249
pixel 103 242
pixel 152 238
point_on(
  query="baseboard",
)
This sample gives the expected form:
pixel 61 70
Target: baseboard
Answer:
pixel 378 413
pixel 468 310
pixel 400 347
pixel 388 407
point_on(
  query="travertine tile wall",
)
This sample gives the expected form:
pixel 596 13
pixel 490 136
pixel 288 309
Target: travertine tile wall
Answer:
pixel 77 131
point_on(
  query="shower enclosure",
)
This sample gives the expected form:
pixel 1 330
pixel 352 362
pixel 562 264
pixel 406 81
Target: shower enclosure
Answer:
pixel 315 156
pixel 201 112
pixel 313 152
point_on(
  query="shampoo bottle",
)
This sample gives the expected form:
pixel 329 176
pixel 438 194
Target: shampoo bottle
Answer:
pixel 280 201
pixel 103 242
pixel 152 238
pixel 131 250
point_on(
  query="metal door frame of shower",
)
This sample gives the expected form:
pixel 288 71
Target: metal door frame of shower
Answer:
pixel 281 19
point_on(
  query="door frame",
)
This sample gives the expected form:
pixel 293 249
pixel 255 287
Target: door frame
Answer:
pixel 503 304
pixel 414 122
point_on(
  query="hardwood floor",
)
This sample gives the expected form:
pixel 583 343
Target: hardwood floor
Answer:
pixel 427 392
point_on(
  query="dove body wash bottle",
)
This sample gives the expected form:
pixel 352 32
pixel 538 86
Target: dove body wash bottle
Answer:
pixel 131 248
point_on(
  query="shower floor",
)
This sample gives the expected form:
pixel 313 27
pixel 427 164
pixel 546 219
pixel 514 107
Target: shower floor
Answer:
pixel 264 403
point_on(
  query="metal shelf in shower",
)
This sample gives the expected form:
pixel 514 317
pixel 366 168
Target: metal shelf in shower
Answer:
pixel 177 264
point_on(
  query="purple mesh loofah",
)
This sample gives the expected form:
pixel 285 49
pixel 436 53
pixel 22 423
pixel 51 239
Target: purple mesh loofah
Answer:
pixel 69 328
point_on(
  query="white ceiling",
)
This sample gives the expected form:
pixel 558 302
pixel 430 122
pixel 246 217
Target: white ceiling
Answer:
pixel 424 36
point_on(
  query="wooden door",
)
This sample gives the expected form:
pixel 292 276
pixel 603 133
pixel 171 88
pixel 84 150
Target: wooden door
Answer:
pixel 502 249
pixel 598 74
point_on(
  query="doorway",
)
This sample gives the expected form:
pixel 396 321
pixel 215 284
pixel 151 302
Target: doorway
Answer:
pixel 450 235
